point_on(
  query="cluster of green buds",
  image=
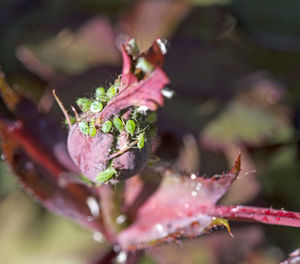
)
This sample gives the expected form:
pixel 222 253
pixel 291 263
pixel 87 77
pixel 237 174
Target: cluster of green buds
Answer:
pixel 111 137
pixel 137 126
pixel 136 123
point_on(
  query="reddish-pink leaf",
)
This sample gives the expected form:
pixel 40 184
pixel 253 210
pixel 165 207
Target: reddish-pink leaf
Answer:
pixel 177 209
pixel 146 92
pixel 33 147
pixel 128 77
pixel 43 176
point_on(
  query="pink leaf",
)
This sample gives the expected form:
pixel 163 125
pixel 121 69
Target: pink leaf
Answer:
pixel 132 92
pixel 177 209
pixel 146 92
pixel 127 76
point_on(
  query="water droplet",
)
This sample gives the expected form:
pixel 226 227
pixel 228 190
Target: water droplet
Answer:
pixel 121 219
pixel 194 193
pixel 143 109
pixel 159 228
pixel 162 45
pixel 167 93
pixel 162 232
pixel 93 206
pixel 3 157
pixel 186 205
pixel 116 248
pixel 193 176
pixel 250 172
pixel 90 218
pixel 122 257
pixel 235 209
pixel 198 187
pixel 98 236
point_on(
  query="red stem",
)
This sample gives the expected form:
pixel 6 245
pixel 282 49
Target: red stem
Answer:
pixel 255 214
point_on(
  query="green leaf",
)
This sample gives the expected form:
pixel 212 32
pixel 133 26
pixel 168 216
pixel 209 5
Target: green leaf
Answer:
pixel 118 123
pixel 105 175
pixel 106 127
pixel 130 127
pixel 84 103
pixel 96 107
pixel 84 127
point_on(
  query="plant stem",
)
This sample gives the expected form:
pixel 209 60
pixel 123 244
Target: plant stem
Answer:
pixel 255 214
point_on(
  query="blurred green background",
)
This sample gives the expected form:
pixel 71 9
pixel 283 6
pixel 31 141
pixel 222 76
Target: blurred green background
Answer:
pixel 234 66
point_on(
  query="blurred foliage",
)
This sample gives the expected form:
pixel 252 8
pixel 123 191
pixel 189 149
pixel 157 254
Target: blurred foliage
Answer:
pixel 28 234
pixel 242 123
pixel 7 181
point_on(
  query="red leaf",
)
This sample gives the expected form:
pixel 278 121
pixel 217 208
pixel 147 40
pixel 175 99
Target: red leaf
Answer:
pixel 128 77
pixel 177 209
pixel 30 145
pixel 146 92
pixel 41 175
